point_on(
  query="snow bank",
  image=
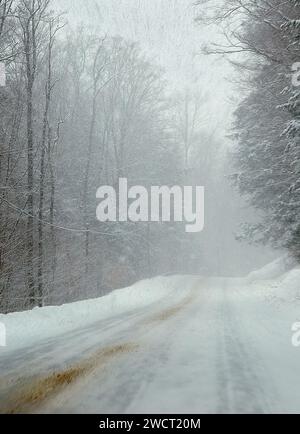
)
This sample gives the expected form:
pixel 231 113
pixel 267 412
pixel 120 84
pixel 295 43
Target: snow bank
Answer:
pixel 289 285
pixel 278 281
pixel 273 270
pixel 26 328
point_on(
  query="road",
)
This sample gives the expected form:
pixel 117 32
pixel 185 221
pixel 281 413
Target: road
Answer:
pixel 216 348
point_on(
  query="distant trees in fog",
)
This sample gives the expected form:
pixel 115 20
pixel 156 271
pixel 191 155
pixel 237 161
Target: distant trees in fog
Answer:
pixel 263 39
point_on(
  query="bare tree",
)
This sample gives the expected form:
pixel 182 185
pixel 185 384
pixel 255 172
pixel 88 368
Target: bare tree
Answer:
pixel 99 80
pixel 31 15
pixel 54 27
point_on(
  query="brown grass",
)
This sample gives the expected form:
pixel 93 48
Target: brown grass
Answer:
pixel 29 393
pixel 33 392
pixel 173 311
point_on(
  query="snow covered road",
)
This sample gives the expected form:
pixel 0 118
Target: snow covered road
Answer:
pixel 215 346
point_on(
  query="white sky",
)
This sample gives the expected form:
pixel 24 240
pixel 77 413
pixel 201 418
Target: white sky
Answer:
pixel 166 31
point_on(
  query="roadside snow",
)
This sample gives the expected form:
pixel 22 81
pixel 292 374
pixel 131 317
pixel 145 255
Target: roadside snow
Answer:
pixel 278 281
pixel 273 270
pixel 27 328
pixel 290 284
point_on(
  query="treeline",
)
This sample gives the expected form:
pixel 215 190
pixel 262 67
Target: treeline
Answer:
pixel 262 38
pixel 80 110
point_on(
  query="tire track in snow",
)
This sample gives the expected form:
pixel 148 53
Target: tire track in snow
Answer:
pixel 29 393
pixel 123 381
pixel 240 388
pixel 32 392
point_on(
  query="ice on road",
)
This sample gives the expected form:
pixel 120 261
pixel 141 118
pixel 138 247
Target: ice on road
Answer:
pixel 216 346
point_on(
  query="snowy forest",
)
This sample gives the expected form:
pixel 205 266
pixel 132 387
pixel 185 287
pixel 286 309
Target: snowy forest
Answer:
pixel 266 128
pixel 82 108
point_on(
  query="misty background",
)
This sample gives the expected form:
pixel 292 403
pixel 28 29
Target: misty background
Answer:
pixel 166 31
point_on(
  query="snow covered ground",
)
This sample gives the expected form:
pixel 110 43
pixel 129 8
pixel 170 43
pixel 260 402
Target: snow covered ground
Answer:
pixel 173 344
pixel 27 328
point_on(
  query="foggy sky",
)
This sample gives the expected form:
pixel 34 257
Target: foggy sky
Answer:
pixel 166 31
